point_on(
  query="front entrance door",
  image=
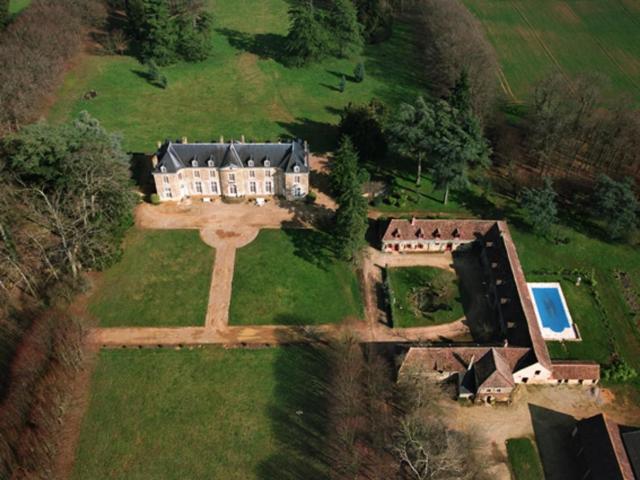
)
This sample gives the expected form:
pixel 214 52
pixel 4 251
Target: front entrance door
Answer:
pixel 183 190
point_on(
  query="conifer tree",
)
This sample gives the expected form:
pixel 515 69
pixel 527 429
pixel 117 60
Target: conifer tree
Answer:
pixel 539 205
pixel 343 84
pixel 460 97
pixel 346 32
pixel 351 217
pixel 616 203
pixel 158 35
pixel 306 40
pixel 358 73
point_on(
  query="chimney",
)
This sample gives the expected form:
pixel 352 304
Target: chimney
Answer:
pixel 473 359
pixel 221 139
pixel 184 140
pixel 159 144
pixel 306 147
pixel 154 161
pixel 241 138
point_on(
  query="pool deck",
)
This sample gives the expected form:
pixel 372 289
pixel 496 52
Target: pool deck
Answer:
pixel 570 333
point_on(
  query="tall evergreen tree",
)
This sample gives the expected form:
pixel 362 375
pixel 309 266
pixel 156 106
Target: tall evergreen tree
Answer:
pixel 460 97
pixel 539 205
pixel 344 167
pixel 409 132
pixel 345 30
pixel 158 34
pixel 307 39
pixel 435 131
pixel 616 203
pixel 351 217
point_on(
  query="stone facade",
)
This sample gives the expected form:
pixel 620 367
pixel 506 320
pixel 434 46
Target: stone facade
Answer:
pixel 233 170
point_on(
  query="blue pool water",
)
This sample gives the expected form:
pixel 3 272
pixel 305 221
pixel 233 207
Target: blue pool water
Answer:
pixel 550 308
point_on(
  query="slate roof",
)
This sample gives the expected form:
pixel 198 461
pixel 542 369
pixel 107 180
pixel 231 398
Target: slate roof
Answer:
pixel 631 440
pixel 175 156
pixel 604 451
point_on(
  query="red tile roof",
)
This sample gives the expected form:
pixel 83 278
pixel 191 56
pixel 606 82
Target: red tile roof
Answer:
pixel 458 359
pixel 575 370
pixel 463 230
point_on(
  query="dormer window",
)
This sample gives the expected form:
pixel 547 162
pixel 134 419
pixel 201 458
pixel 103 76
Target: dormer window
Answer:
pixel 210 162
pixel 250 162
pixel 296 169
pixel 194 163
pixel 163 169
pixel 267 163
pixel 436 233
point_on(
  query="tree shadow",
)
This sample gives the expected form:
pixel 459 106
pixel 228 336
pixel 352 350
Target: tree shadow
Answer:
pixel 298 415
pixel 322 137
pixel 140 168
pixel 264 45
pixel 333 88
pixel 313 246
pixel 553 435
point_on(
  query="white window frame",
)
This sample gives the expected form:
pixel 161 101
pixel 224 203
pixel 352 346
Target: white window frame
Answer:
pixel 213 185
pixel 212 174
pixel 165 179
pixel 233 189
pixel 268 186
pixel 296 179
pixel 232 178
pixel 198 187
pixel 194 163
pixel 267 173
pixel 250 163
pixel 163 169
pixel 267 163
pixel 167 192
pixel 252 174
pixel 253 187
pixel 211 163
pixel 296 169
pixel 196 173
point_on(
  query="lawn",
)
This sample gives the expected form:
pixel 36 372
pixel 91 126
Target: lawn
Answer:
pixel 292 277
pixel 595 344
pixel 405 312
pixel 243 89
pixel 524 459
pixel 206 413
pixel 533 39
pixel 591 254
pixel 162 280
pixel 16 6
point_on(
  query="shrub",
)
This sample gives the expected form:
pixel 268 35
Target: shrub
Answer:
pixel 618 372
pixel 155 199
pixel 358 73
pixel 311 197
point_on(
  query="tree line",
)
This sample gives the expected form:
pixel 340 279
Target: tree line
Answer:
pixel 34 49
pixel 378 428
pixel 66 203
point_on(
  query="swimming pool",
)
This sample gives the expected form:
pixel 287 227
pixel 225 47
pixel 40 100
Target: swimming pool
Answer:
pixel 552 311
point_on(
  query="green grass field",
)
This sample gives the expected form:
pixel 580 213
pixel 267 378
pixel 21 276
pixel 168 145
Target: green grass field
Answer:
pixel 533 39
pixel 241 89
pixel 603 258
pixel 404 313
pixel 204 414
pixel 16 6
pixel 291 277
pixel 162 280
pixel 524 459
